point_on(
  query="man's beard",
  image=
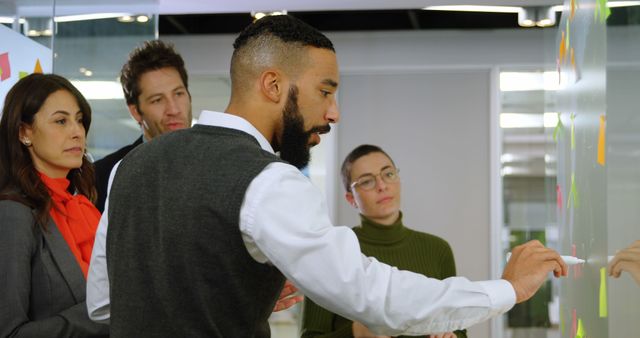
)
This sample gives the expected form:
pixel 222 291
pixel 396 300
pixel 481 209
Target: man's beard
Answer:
pixel 294 146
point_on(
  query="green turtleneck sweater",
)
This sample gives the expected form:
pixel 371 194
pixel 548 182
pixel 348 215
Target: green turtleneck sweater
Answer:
pixel 397 246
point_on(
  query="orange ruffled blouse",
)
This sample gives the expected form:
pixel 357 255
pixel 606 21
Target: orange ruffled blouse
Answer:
pixel 76 218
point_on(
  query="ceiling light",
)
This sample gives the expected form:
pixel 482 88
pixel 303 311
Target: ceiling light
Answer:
pixel 525 81
pixel 99 90
pixel 84 17
pixel 541 16
pixel 142 18
pixel 515 120
pixel 126 19
pixel 468 8
pixel 260 15
pixel 550 119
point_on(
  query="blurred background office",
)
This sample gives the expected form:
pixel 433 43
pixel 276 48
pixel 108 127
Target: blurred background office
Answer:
pixel 463 97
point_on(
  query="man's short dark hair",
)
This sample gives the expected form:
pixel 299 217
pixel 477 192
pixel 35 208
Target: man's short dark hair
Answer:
pixel 354 155
pixel 280 41
pixel 287 28
pixel 152 55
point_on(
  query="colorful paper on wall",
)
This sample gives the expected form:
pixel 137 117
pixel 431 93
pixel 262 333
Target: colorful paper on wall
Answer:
pixel 573 131
pixel 38 67
pixel 603 293
pixel 602 141
pixel 558 130
pixel 559 196
pixel 23 74
pixel 580 332
pixel 5 67
pixel 602 10
pixel 573 194
pixel 574 6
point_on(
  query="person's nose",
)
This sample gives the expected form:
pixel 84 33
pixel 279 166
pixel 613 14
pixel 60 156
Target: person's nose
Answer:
pixel 381 185
pixel 172 107
pixel 77 130
pixel 333 114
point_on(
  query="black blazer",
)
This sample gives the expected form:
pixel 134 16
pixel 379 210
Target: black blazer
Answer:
pixel 42 288
pixel 103 170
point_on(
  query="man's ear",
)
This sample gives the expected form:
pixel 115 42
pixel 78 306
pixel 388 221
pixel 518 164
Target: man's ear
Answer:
pixel 271 85
pixel 351 199
pixel 133 110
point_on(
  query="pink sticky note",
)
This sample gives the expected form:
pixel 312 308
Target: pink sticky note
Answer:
pixel 5 66
pixel 559 197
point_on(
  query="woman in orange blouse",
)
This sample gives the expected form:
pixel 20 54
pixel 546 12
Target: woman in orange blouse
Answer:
pixel 47 221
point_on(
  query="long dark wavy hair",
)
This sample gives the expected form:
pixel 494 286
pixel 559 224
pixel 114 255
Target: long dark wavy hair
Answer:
pixel 19 180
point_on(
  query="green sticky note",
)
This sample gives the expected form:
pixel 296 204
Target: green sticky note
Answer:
pixel 23 74
pixel 580 331
pixel 603 293
pixel 558 130
pixel 573 193
pixel 573 131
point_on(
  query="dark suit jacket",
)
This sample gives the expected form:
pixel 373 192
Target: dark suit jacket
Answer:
pixel 103 170
pixel 42 289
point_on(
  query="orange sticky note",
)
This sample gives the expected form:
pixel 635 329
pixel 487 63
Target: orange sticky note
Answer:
pixel 602 140
pixel 562 50
pixel 38 68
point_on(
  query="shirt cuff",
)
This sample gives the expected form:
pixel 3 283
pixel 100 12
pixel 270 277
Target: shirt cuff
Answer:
pixel 501 294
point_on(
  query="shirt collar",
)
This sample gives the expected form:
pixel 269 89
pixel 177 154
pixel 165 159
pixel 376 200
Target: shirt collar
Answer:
pixel 211 118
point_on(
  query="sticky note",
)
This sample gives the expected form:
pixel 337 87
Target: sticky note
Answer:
pixel 558 130
pixel 559 196
pixel 573 131
pixel 574 327
pixel 603 293
pixel 602 10
pixel 602 141
pixel 574 6
pixel 23 74
pixel 573 193
pixel 38 68
pixel 572 57
pixel 562 325
pixel 580 332
pixel 5 67
pixel 562 50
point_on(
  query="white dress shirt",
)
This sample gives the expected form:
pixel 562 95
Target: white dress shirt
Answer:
pixel 284 221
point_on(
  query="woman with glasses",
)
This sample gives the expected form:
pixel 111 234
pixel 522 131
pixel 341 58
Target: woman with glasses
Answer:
pixel 47 222
pixel 372 186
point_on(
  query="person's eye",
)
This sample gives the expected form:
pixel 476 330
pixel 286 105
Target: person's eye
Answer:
pixel 366 182
pixel 325 93
pixel 61 121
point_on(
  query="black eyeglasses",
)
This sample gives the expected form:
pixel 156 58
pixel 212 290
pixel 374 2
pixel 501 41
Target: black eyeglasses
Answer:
pixel 369 181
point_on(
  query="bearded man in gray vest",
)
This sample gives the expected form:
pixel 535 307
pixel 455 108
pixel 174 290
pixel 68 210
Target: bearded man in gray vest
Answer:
pixel 207 222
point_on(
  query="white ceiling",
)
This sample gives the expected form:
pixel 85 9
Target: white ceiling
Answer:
pixel 239 6
pixel 226 6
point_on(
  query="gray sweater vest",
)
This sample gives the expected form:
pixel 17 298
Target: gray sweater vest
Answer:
pixel 177 264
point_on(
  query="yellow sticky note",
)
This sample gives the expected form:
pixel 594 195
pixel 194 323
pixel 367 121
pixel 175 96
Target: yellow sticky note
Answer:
pixel 603 293
pixel 602 141
pixel 23 74
pixel 580 331
pixel 38 68
pixel 573 131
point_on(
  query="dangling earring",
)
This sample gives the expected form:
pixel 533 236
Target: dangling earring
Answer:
pixel 26 142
